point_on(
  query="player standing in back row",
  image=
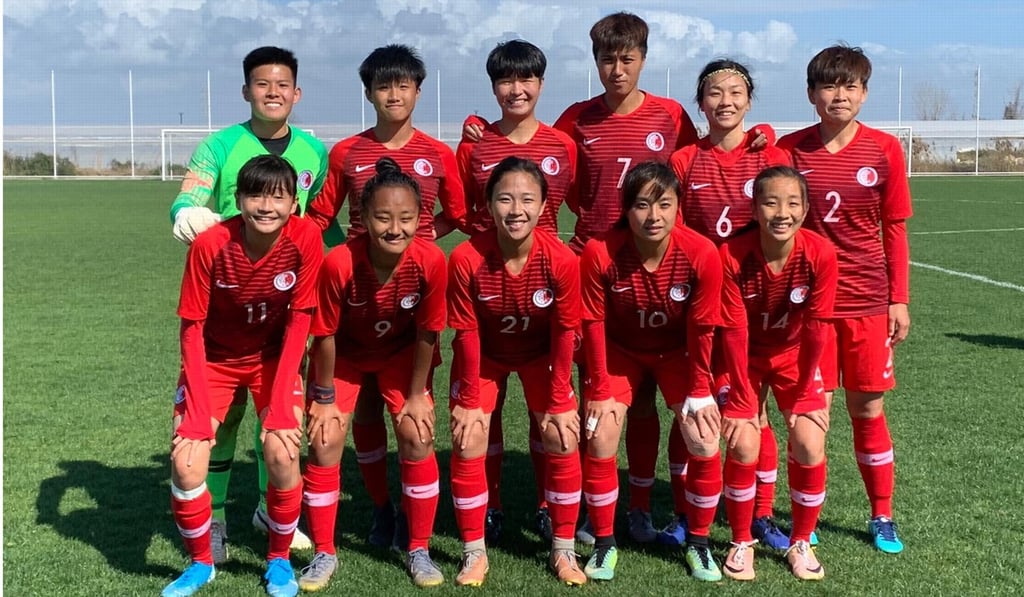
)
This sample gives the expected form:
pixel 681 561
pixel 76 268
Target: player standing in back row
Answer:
pixel 860 200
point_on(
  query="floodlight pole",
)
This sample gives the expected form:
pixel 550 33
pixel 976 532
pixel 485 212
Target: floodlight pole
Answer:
pixel 131 120
pixel 53 119
pixel 977 122
pixel 209 101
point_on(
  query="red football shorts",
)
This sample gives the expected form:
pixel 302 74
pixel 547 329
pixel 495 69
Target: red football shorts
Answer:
pixel 224 379
pixel 394 374
pixel 627 371
pixel 782 373
pixel 859 355
pixel 534 375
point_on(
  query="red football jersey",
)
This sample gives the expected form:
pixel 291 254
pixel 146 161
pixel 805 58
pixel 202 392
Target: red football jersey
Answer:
pixel 773 306
pixel 609 145
pixel 515 315
pixel 852 193
pixel 245 304
pixel 372 321
pixel 651 312
pixel 550 148
pixel 718 186
pixel 352 162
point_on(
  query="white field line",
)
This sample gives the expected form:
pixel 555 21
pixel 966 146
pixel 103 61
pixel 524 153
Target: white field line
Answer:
pixel 916 200
pixel 974 277
pixel 970 231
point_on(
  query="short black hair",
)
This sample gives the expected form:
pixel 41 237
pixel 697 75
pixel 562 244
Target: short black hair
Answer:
pixel 838 64
pixel 638 177
pixel 270 55
pixel 621 31
pixel 265 174
pixel 516 59
pixel 392 63
pixel 389 174
pixel 516 164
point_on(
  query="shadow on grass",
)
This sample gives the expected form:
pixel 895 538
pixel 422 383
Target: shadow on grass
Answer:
pixel 989 340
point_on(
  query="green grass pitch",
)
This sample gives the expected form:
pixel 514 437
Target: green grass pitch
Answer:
pixel 91 278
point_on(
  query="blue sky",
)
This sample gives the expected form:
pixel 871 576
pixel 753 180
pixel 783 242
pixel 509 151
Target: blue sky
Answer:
pixel 171 44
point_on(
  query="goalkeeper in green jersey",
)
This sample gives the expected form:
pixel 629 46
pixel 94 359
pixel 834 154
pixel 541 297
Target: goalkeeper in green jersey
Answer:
pixel 271 91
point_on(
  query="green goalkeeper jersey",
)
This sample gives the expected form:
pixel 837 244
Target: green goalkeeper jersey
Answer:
pixel 213 171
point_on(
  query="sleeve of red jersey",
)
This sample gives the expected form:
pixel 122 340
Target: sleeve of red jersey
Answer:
pixel 687 132
pixel 432 314
pixel 280 413
pixel 473 193
pixel 196 280
pixel 334 274
pixel 567 302
pixel 312 250
pixel 777 157
pixel 461 314
pixel 472 120
pixel 195 423
pixel 451 194
pixel 826 280
pixel 572 198
pixel 593 262
pixel 742 402
pixel 324 208
pixel 705 313
pixel 895 210
pixel 567 121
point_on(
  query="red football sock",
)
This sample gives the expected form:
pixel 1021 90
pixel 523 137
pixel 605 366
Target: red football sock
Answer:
pixel 767 473
pixel 469 495
pixel 495 458
pixel 371 442
pixel 703 488
pixel 563 484
pixel 642 436
pixel 193 515
pixel 677 460
pixel 873 446
pixel 601 489
pixel 283 509
pixel 740 489
pixel 807 494
pixel 321 489
pixel 539 458
pixel 420 491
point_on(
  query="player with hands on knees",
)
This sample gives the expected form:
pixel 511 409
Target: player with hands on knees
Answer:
pixel 513 300
pixel 247 298
pixel 381 308
pixel 651 300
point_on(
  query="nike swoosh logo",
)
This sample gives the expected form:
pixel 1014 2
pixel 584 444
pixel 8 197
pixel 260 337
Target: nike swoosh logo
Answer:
pixel 487 297
pixel 487 167
pixel 695 186
pixel 589 141
pixel 806 172
pixel 361 168
pixel 887 375
pixel 356 304
pixel 876 460
pixel 750 296
pixel 223 285
pixel 620 288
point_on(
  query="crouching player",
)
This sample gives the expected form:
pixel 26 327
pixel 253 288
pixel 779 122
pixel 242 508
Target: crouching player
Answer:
pixel 777 299
pixel 247 298
pixel 651 300
pixel 514 298
pixel 382 297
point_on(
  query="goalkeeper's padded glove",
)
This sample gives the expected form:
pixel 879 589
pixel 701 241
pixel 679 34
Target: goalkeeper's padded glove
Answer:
pixel 190 221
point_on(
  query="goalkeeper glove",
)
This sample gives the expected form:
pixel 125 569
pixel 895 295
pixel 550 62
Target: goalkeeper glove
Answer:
pixel 190 221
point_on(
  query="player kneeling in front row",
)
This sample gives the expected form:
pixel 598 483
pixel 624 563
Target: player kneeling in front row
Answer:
pixel 651 300
pixel 514 298
pixel 777 300
pixel 247 297
pixel 382 305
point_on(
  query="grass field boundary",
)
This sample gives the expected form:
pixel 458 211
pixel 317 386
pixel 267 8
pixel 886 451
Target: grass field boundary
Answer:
pixel 974 277
pixel 969 231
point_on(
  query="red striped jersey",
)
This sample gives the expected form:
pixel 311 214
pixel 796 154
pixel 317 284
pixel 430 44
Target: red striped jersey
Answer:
pixel 609 145
pixel 372 321
pixel 773 306
pixel 352 163
pixel 718 186
pixel 549 148
pixel 515 315
pixel 852 193
pixel 651 312
pixel 244 303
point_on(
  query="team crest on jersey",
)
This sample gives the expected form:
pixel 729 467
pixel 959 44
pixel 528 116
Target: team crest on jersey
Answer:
pixel 305 180
pixel 410 300
pixel 543 298
pixel 655 142
pixel 422 167
pixel 748 188
pixel 179 396
pixel 799 294
pixel 867 176
pixel 679 292
pixel 550 165
pixel 285 280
